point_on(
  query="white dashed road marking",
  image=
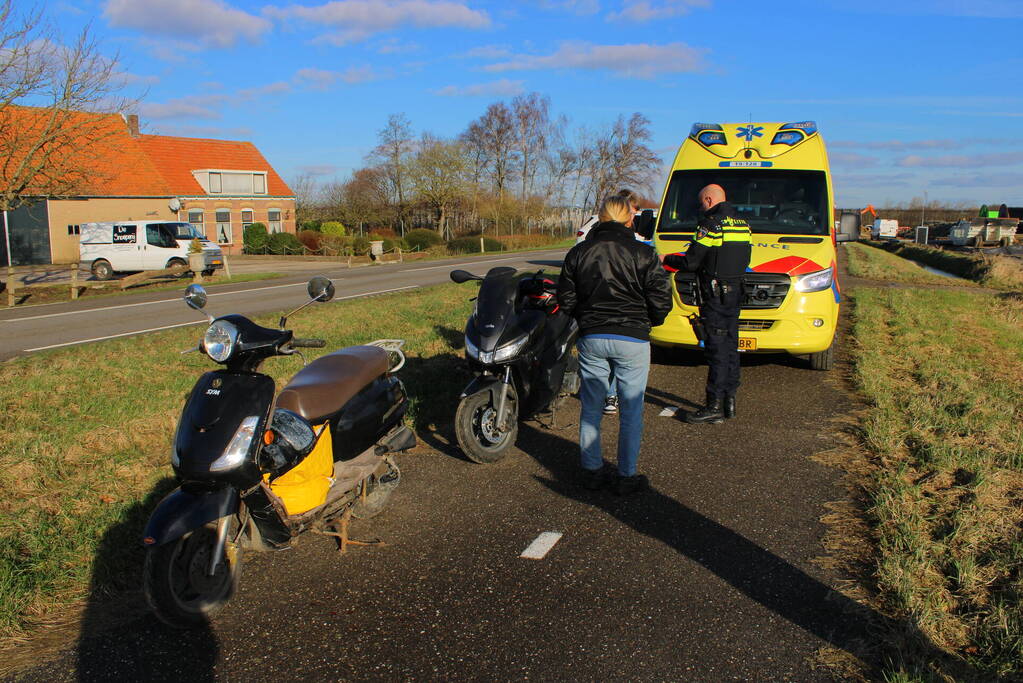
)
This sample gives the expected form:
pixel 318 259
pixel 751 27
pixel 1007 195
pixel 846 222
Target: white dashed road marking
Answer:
pixel 541 545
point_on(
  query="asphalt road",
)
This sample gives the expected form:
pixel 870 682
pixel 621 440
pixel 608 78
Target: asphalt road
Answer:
pixel 708 576
pixel 37 328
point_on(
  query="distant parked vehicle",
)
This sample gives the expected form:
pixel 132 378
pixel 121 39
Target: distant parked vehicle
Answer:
pixel 132 246
pixel 884 229
pixel 644 225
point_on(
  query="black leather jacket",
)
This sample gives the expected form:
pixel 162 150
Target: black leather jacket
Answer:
pixel 614 284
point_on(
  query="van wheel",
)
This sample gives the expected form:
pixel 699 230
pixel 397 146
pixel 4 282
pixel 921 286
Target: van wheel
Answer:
pixel 102 270
pixel 208 272
pixel 175 262
pixel 823 360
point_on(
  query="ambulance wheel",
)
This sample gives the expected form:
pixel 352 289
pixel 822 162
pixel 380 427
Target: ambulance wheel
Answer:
pixel 824 360
pixel 476 426
pixel 102 270
pixel 176 582
pixel 378 495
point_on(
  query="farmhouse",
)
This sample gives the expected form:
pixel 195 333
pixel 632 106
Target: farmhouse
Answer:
pixel 219 186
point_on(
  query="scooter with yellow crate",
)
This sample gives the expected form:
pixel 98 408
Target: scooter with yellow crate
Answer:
pixel 258 468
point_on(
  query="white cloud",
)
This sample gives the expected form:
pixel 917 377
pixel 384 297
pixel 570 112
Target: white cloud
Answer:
pixel 394 46
pixel 640 60
pixel 213 23
pixel 960 160
pixel 322 79
pixel 984 180
pixel 645 10
pixel 576 6
pixel 274 88
pixel 203 131
pixel 852 160
pixel 500 88
pixel 128 78
pixel 191 107
pixel 319 169
pixel 352 21
pixel 489 52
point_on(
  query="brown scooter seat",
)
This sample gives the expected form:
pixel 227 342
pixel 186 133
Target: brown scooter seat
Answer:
pixel 323 387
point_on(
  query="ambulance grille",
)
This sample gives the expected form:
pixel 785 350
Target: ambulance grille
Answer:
pixel 755 325
pixel 763 291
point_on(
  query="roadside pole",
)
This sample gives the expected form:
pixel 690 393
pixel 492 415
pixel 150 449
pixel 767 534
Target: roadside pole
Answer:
pixel 7 241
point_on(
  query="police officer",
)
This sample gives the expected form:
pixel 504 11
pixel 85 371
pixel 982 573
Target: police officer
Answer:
pixel 719 255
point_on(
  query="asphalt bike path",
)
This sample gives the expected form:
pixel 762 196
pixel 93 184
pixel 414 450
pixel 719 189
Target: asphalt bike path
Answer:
pixel 38 328
pixel 708 576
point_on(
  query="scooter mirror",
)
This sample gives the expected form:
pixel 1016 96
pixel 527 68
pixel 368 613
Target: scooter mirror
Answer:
pixel 461 276
pixel 195 297
pixel 321 288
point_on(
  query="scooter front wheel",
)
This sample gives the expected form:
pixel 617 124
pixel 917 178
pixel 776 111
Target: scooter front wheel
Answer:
pixel 477 430
pixel 177 583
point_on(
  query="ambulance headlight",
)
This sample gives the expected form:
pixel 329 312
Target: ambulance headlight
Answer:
pixel 816 281
pixel 220 339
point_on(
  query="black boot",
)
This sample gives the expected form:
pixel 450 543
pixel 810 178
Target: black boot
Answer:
pixel 711 413
pixel 729 406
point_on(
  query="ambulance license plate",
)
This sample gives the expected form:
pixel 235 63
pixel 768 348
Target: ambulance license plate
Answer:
pixel 747 344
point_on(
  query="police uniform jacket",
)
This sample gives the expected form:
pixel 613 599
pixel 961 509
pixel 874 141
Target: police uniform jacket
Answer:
pixel 614 284
pixel 721 246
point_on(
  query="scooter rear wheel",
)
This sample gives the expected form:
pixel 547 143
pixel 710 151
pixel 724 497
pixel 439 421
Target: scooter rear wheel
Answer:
pixel 175 579
pixel 476 426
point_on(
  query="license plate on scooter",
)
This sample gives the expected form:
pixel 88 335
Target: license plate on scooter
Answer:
pixel 747 344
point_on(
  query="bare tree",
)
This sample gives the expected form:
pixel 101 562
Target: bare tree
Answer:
pixel 360 199
pixel 56 147
pixel 306 189
pixel 438 173
pixel 532 120
pixel 394 148
pixel 619 156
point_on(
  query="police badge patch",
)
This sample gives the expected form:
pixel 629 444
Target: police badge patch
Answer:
pixel 701 232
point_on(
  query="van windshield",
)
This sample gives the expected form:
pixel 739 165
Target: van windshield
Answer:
pixel 182 231
pixel 772 202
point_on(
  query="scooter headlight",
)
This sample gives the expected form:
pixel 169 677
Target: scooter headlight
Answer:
pixel 236 451
pixel 220 339
pixel 815 282
pixel 510 350
pixel 471 350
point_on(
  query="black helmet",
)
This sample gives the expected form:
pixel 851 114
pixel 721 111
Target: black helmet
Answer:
pixel 289 439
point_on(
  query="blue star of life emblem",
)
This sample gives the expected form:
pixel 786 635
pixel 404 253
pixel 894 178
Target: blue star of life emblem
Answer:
pixel 749 132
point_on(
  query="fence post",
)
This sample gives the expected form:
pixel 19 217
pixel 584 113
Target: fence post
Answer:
pixel 400 259
pixel 227 268
pixel 74 281
pixel 10 286
pixel 482 249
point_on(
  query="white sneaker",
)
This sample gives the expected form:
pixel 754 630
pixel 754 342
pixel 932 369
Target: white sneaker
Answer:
pixel 610 405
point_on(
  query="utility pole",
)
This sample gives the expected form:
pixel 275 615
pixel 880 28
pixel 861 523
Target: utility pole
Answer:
pixel 7 241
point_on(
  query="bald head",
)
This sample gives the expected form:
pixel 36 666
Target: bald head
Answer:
pixel 711 196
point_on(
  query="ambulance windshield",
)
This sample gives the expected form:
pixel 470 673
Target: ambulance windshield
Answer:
pixel 772 202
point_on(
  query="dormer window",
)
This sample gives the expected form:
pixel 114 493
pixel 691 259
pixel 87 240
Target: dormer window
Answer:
pixel 232 183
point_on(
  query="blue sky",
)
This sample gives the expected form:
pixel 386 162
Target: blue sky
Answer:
pixel 911 96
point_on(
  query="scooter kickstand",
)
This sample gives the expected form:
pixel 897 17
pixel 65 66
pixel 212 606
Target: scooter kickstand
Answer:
pixel 341 536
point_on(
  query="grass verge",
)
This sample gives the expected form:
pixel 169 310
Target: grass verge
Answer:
pixel 941 371
pixel 85 433
pixel 996 272
pixel 877 264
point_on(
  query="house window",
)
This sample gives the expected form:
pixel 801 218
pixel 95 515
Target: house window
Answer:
pixel 73 230
pixel 246 218
pixel 216 186
pixel 273 217
pixel 258 183
pixel 195 218
pixel 224 235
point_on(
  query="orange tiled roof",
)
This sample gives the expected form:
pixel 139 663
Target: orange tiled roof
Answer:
pixel 120 165
pixel 90 154
pixel 176 158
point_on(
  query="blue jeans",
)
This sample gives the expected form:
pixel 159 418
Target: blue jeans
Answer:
pixel 629 363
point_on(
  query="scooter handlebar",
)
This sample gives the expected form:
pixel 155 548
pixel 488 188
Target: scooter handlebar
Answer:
pixel 308 343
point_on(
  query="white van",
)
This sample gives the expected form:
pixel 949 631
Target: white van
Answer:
pixel 124 246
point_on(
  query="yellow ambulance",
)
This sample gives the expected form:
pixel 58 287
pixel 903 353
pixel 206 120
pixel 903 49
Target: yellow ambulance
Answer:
pixel 776 176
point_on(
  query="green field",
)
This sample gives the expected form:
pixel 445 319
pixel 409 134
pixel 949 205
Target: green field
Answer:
pixel 941 372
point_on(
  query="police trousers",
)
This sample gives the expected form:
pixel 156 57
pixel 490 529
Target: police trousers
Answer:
pixel 720 312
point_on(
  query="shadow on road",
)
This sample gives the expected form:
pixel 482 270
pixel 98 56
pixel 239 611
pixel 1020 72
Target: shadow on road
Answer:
pixel 752 570
pixel 120 639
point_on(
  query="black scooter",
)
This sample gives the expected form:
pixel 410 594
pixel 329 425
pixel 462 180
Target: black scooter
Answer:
pixel 257 470
pixel 520 348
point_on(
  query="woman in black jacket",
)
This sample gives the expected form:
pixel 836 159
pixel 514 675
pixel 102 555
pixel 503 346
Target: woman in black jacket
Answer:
pixel 615 287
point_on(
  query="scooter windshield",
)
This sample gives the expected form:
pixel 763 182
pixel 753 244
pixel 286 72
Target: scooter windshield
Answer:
pixel 495 305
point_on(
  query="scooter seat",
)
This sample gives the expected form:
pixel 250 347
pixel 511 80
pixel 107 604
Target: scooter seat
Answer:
pixel 323 387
